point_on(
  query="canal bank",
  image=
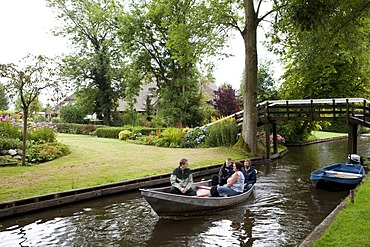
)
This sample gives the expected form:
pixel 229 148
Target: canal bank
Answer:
pixel 347 224
pixel 282 211
pixel 57 199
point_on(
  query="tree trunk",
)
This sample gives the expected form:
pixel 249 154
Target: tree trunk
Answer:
pixel 249 130
pixel 25 120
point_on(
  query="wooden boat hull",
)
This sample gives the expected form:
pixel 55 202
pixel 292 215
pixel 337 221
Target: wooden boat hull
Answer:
pixel 166 204
pixel 338 176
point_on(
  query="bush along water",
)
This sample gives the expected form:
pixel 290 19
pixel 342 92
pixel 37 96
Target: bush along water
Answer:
pixel 223 133
pixel 261 137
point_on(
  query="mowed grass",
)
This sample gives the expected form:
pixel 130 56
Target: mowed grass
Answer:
pixel 96 161
pixel 325 135
pixel 352 225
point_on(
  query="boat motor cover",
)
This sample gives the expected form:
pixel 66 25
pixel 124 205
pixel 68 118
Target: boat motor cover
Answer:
pixel 354 159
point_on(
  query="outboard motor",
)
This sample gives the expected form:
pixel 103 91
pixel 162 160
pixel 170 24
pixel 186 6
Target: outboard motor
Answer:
pixel 354 159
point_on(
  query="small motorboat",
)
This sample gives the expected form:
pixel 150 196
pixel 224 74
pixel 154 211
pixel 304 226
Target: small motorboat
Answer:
pixel 341 176
pixel 167 204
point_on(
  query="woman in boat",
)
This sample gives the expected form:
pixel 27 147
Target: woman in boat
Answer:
pixel 235 183
pixel 182 180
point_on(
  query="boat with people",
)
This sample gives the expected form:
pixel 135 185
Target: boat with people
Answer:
pixel 166 204
pixel 341 176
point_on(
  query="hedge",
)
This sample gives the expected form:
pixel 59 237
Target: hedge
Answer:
pixel 82 129
pixel 113 132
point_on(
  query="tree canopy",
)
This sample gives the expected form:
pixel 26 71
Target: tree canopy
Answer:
pixel 325 46
pixel 170 43
pixel 98 62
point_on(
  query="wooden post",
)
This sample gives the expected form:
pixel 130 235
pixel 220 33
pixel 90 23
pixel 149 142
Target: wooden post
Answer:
pixel 352 196
pixel 312 111
pixel 352 138
pixel 267 132
pixel 334 108
pixel 274 137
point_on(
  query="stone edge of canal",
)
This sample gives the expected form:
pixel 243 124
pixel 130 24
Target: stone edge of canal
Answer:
pixel 324 225
pixel 52 200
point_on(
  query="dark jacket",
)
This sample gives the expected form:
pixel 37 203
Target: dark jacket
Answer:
pixel 181 178
pixel 224 173
pixel 250 176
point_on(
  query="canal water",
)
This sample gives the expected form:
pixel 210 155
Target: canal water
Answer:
pixel 282 211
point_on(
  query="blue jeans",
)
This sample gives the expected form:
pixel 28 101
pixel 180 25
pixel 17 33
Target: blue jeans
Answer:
pixel 224 190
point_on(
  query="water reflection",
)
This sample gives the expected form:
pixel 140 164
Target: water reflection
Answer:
pixel 282 211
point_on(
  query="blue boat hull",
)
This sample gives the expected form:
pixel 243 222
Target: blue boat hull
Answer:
pixel 340 176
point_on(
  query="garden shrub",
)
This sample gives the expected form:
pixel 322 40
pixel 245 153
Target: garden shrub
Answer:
pixel 81 129
pixel 42 152
pixel 149 140
pixel 10 143
pixel 113 132
pixel 72 114
pixel 335 126
pixel 42 132
pixel 125 134
pixel 10 127
pixel 223 133
pixel 194 137
pixel 171 137
pixel 295 132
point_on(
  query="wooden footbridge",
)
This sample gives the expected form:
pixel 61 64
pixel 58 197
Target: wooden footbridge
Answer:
pixel 353 111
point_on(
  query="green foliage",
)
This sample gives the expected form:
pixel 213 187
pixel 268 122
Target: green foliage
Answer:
pixel 113 132
pixel 125 134
pixel 194 137
pixel 4 102
pixel 223 133
pixel 335 126
pixel 266 84
pixel 10 127
pixel 9 143
pixel 295 132
pixel 171 41
pixel 81 129
pixel 42 134
pixel 43 152
pixel 98 64
pixel 171 137
pixel 72 114
pixel 325 48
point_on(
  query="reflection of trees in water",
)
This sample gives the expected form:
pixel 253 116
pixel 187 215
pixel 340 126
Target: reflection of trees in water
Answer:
pixel 229 227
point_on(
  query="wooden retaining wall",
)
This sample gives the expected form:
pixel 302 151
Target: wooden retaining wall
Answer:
pixel 35 203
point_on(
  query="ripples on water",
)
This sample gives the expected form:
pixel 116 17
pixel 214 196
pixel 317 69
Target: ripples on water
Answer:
pixel 282 211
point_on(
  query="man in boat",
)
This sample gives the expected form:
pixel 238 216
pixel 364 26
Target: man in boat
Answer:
pixel 182 179
pixel 224 173
pixel 250 174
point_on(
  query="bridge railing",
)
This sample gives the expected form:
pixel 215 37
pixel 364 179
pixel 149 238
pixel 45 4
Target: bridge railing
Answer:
pixel 315 109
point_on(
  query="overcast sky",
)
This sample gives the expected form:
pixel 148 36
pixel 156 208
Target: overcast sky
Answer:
pixel 26 28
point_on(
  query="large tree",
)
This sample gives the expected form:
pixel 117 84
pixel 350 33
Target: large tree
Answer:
pixel 246 17
pixel 97 64
pixel 170 42
pixel 325 46
pixel 26 81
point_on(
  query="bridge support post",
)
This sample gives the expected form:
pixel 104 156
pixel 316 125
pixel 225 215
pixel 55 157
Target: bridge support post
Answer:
pixel 267 131
pixel 274 137
pixel 352 138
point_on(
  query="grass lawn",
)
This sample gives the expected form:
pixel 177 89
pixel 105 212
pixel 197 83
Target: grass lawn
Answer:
pixel 324 135
pixel 351 227
pixel 95 161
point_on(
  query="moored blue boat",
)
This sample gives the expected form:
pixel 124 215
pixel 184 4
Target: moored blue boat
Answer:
pixel 341 176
